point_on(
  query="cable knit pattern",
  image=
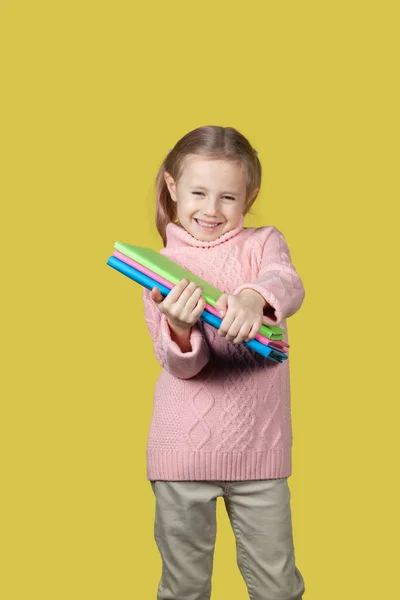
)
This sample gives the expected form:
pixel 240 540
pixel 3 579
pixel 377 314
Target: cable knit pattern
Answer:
pixel 222 412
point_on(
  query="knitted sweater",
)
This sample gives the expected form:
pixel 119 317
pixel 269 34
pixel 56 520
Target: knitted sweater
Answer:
pixel 221 411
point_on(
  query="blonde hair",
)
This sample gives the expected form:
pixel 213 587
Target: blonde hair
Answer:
pixel 215 143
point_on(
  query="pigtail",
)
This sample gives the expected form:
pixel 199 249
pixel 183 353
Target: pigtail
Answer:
pixel 165 207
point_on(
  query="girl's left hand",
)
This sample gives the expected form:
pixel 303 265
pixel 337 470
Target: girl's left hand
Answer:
pixel 242 315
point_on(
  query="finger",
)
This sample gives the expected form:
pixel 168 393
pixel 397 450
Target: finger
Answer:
pixel 176 292
pixel 226 324
pixel 196 314
pixel 222 304
pixel 234 329
pixel 242 334
pixel 253 332
pixel 156 295
pixel 193 299
pixel 185 296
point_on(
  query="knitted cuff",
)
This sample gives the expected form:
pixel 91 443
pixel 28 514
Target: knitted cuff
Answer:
pixel 183 364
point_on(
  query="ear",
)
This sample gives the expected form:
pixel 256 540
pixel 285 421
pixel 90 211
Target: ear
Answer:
pixel 170 185
pixel 254 194
pixel 251 198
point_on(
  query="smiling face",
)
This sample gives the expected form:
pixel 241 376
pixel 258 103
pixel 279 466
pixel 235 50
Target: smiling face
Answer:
pixel 210 196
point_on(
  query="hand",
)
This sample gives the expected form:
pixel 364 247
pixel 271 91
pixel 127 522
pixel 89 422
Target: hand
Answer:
pixel 183 305
pixel 242 315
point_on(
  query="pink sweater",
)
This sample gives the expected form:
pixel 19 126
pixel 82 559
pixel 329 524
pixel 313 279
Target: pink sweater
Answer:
pixel 221 411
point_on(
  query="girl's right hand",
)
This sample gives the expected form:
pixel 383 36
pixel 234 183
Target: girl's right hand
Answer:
pixel 183 305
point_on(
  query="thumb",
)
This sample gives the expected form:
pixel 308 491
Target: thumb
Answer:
pixel 156 295
pixel 222 304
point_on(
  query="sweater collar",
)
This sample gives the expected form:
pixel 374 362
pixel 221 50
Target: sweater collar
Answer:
pixel 177 235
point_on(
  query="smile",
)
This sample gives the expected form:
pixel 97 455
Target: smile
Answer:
pixel 206 225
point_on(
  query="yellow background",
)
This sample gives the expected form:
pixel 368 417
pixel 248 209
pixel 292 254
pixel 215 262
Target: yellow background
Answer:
pixel 94 94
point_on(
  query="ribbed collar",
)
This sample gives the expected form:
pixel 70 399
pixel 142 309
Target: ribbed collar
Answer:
pixel 178 236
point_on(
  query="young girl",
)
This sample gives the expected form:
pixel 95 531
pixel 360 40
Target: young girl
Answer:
pixel 221 422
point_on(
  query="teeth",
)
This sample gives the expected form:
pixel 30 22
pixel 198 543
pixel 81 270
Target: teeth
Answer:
pixel 207 224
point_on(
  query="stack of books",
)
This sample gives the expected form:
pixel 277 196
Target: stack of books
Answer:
pixel 151 269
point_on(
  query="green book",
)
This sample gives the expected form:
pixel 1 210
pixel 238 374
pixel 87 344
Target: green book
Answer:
pixel 170 270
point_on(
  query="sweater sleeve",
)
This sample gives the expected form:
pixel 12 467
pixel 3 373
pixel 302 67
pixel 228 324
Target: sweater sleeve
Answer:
pixel 278 281
pixel 182 365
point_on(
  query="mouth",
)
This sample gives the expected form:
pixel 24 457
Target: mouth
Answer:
pixel 207 225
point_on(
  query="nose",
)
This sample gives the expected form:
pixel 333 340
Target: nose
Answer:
pixel 210 207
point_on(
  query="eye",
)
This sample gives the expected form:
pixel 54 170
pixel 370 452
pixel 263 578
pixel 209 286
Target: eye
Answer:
pixel 229 197
pixel 197 193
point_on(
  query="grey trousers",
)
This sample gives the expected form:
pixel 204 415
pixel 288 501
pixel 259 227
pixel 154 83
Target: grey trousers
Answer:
pixel 260 515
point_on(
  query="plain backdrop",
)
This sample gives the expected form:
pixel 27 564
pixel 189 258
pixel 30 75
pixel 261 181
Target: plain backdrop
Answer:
pixel 94 95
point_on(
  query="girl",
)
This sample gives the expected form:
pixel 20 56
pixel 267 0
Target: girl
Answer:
pixel 221 423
